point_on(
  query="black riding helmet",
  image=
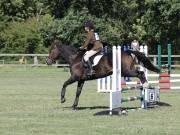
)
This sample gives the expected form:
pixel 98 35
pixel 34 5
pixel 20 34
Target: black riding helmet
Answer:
pixel 89 24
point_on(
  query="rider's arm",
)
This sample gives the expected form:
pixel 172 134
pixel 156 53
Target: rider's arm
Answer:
pixel 88 40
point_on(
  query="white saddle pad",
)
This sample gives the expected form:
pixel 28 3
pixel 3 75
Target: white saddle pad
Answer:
pixel 96 60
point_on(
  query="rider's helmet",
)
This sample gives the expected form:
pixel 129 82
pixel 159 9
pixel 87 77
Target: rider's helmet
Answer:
pixel 89 24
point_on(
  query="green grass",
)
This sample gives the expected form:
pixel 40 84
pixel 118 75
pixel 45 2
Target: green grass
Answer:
pixel 30 105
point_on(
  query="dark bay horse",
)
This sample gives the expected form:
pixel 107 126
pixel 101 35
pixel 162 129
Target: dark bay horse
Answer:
pixel 104 68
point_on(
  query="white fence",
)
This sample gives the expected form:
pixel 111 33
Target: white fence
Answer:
pixel 25 60
pixel 39 60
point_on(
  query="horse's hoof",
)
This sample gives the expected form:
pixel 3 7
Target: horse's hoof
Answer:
pixel 63 100
pixel 74 108
pixel 145 85
pixel 124 112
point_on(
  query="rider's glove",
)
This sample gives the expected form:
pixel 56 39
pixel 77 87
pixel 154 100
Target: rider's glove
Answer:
pixel 80 49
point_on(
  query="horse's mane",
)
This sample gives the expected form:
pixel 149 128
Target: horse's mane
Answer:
pixel 69 52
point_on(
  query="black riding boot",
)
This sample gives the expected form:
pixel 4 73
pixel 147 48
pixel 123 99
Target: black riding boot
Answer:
pixel 90 69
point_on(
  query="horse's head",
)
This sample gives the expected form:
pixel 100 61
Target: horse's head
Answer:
pixel 66 52
pixel 54 52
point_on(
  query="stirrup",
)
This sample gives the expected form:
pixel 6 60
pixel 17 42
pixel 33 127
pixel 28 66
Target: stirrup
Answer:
pixel 90 73
pixel 93 72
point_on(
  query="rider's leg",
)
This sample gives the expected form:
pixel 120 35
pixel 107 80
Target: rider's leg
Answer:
pixel 87 55
pixel 91 71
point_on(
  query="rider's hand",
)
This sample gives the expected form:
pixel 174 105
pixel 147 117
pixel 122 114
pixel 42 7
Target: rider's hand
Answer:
pixel 80 49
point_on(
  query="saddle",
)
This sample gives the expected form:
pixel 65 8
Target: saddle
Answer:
pixel 96 58
pixel 93 61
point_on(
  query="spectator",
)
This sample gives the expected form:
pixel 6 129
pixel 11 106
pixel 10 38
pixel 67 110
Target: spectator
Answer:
pixel 135 45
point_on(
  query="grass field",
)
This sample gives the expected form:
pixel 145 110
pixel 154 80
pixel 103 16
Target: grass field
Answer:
pixel 30 105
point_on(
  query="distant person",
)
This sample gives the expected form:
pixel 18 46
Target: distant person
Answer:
pixel 135 45
pixel 23 60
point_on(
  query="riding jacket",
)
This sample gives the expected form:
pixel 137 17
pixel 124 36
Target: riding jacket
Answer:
pixel 92 38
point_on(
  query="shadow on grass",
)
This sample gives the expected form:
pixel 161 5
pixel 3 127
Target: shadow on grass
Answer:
pixel 163 104
pixel 107 112
pixel 90 108
pixel 104 108
pixel 118 111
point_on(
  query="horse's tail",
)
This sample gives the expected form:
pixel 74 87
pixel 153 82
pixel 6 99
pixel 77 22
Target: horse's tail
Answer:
pixel 145 61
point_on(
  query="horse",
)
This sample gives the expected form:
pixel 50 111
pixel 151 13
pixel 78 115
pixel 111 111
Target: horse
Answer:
pixel 104 67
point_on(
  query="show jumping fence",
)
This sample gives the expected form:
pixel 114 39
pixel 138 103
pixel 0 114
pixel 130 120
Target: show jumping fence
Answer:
pixel 161 81
pixel 168 81
pixel 112 84
pixel 168 76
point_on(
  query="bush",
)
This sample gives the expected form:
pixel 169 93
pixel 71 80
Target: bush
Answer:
pixel 22 37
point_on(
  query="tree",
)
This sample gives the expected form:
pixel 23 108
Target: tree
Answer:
pixel 19 10
pixel 21 37
pixel 161 22
pixel 117 21
pixel 69 29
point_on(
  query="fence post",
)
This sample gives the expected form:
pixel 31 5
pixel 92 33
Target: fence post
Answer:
pixel 35 60
pixel 169 58
pixel 159 57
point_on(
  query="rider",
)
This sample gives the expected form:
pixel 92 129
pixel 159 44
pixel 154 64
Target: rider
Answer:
pixel 92 38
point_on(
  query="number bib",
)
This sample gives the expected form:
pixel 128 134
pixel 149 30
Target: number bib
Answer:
pixel 96 36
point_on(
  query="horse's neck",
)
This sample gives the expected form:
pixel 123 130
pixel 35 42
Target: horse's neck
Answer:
pixel 78 56
pixel 68 53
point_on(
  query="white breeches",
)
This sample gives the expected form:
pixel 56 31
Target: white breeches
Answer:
pixel 88 54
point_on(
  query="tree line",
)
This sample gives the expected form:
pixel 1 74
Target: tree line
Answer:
pixel 29 26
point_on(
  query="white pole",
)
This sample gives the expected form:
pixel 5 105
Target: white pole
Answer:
pixel 114 83
pixel 108 83
pixel 103 84
pixel 141 50
pixel 146 53
pixel 157 75
pixel 115 97
pixel 142 94
pixel 114 75
pixel 119 68
pixel 99 85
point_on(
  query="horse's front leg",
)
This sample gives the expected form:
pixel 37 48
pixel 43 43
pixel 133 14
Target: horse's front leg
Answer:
pixel 63 91
pixel 78 92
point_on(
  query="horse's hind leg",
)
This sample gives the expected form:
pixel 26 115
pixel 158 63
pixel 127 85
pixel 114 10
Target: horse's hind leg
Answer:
pixel 63 91
pixel 142 77
pixel 136 73
pixel 78 92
